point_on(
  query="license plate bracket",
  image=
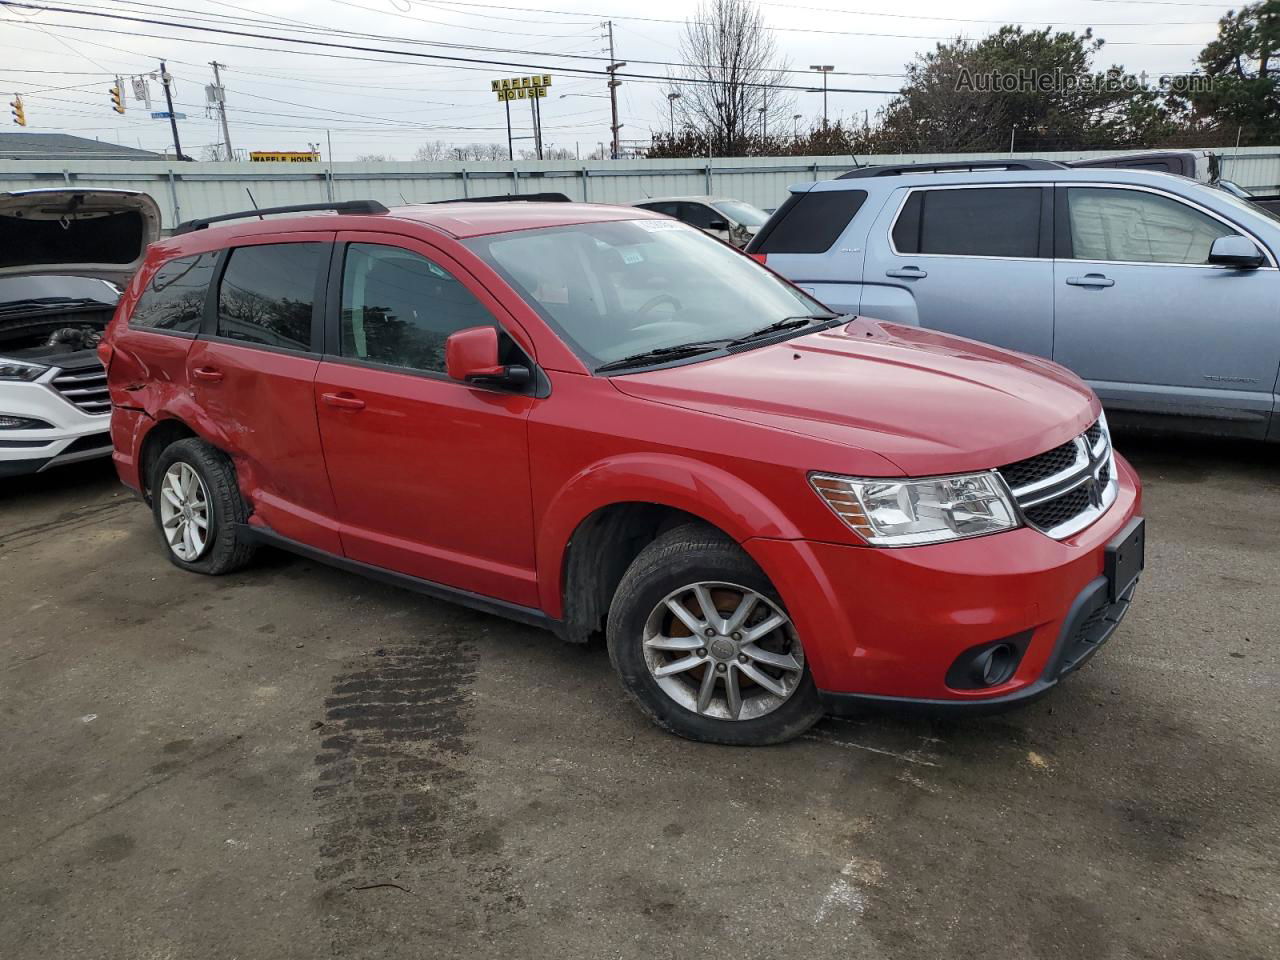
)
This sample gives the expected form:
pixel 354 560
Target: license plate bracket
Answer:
pixel 1126 557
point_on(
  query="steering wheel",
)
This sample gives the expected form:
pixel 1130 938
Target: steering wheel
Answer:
pixel 658 300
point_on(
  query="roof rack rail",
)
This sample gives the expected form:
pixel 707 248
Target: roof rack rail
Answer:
pixel 504 197
pixel 962 166
pixel 341 206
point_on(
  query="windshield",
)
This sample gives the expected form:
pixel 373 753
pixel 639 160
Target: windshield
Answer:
pixel 1247 206
pixel 743 213
pixel 615 289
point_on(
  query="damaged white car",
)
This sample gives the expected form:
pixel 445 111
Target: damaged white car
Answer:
pixel 64 257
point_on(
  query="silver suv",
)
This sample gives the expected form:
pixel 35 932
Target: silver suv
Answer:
pixel 1161 292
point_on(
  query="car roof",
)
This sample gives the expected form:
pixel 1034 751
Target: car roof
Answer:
pixel 458 220
pixel 984 177
pixel 696 198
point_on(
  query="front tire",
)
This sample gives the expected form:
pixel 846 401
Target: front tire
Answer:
pixel 703 644
pixel 198 508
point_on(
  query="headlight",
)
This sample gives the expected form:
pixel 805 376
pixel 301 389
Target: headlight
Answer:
pixel 899 513
pixel 20 369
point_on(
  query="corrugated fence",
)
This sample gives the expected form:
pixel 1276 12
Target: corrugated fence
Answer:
pixel 187 190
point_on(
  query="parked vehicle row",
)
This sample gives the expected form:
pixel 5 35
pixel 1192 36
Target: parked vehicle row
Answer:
pixel 599 420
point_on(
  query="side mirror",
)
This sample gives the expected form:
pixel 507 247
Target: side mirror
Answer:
pixel 1235 251
pixel 718 225
pixel 471 356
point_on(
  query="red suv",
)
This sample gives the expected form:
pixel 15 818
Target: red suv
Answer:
pixel 599 420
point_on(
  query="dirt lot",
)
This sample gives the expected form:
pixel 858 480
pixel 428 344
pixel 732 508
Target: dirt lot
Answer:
pixel 295 762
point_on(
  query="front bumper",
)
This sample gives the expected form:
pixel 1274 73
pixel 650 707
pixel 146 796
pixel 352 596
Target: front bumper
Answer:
pixel 885 625
pixel 72 434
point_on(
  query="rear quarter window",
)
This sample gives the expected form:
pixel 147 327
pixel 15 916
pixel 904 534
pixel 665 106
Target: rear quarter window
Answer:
pixel 174 299
pixel 809 222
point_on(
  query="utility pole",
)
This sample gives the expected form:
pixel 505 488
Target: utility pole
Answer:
pixel 222 108
pixel 671 105
pixel 612 69
pixel 173 120
pixel 795 125
pixel 764 113
pixel 511 150
pixel 823 69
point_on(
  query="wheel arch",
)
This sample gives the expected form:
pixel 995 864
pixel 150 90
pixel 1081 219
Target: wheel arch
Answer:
pixel 603 516
pixel 160 435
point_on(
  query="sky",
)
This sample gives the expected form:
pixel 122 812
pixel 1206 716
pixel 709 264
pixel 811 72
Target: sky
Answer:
pixel 283 96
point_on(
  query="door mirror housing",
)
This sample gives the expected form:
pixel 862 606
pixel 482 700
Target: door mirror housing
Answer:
pixel 718 225
pixel 1236 251
pixel 471 356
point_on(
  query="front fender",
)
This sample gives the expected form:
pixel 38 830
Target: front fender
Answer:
pixel 693 486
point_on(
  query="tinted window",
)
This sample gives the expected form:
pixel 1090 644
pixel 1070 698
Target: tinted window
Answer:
pixel 997 222
pixel 698 215
pixel 399 308
pixel 268 293
pixel 809 222
pixel 666 209
pixel 174 299
pixel 1135 226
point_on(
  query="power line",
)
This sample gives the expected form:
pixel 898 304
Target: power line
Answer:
pixel 331 44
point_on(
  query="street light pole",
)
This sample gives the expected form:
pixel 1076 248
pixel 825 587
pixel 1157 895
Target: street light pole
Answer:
pixel 671 106
pixel 795 125
pixel 823 69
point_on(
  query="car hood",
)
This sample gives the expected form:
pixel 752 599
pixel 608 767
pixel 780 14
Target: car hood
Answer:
pixel 928 402
pixel 81 233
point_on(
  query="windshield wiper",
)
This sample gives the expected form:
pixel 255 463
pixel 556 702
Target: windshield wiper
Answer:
pixel 663 353
pixel 786 323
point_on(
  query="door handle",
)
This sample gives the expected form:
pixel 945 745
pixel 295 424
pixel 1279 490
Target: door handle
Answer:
pixel 907 273
pixel 209 374
pixel 1091 280
pixel 343 401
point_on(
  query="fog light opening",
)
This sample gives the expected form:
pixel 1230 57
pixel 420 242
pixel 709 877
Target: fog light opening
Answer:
pixel 996 665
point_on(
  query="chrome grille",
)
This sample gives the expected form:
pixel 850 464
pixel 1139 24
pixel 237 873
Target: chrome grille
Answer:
pixel 85 387
pixel 1063 490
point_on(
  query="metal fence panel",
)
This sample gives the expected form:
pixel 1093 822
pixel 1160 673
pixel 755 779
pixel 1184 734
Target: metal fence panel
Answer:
pixel 187 190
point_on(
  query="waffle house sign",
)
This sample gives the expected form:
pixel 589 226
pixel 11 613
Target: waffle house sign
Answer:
pixel 522 88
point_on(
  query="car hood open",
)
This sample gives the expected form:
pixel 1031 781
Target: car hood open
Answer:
pixel 929 402
pixel 80 233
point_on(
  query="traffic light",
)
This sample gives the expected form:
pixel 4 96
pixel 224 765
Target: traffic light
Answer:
pixel 117 97
pixel 19 114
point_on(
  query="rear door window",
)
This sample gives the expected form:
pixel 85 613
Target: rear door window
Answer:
pixel 980 222
pixel 398 308
pixel 809 222
pixel 268 294
pixel 174 299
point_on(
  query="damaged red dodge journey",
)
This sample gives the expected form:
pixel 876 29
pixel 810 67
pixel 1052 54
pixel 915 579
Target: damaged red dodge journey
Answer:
pixel 598 420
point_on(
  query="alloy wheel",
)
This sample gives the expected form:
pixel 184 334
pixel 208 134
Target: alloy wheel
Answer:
pixel 184 511
pixel 723 651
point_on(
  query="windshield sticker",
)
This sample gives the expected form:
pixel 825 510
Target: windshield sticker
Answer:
pixel 654 226
pixel 632 255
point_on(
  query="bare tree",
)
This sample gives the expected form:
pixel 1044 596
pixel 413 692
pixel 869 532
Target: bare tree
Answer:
pixel 732 62
pixel 431 150
pixel 372 158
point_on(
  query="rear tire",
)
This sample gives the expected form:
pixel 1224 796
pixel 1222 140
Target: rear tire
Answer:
pixel 743 683
pixel 198 508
